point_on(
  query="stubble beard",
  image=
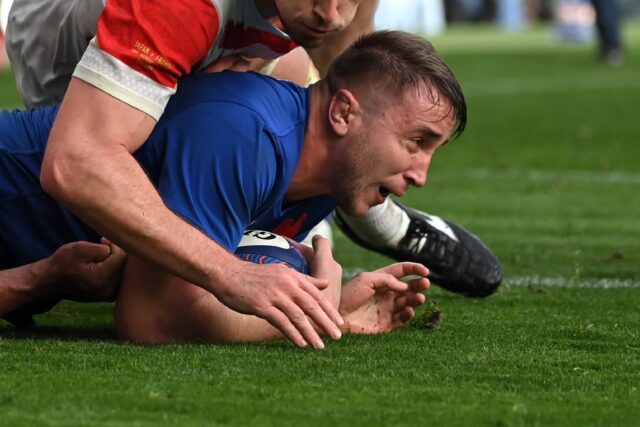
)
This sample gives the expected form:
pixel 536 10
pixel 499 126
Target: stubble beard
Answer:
pixel 301 38
pixel 351 178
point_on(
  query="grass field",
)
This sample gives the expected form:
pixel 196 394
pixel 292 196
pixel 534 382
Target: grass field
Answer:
pixel 547 174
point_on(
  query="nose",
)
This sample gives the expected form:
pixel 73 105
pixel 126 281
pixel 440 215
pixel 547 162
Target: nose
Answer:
pixel 328 14
pixel 417 173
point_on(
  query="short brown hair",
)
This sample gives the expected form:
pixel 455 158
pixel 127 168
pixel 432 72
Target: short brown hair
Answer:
pixel 401 61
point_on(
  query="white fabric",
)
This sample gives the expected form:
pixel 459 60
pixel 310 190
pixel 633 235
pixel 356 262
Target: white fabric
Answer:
pixel 423 17
pixel 383 225
pixel 5 5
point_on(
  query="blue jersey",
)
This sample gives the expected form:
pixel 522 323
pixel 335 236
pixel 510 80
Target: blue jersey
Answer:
pixel 221 157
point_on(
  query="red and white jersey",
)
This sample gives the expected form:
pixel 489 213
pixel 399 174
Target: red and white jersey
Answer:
pixel 142 47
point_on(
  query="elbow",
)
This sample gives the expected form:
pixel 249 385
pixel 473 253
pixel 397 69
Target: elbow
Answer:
pixel 56 177
pixel 63 165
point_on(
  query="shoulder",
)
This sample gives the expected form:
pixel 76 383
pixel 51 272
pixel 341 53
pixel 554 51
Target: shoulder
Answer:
pixel 278 105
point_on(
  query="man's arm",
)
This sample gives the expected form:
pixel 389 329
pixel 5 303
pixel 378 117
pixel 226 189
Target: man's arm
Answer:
pixel 156 307
pixel 88 166
pixel 80 271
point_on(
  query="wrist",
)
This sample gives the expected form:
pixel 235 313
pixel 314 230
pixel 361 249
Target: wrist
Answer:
pixel 40 278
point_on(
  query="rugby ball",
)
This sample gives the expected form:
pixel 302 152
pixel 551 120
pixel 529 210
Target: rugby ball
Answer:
pixel 264 247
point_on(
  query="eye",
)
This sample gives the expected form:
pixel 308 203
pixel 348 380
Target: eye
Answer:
pixel 416 144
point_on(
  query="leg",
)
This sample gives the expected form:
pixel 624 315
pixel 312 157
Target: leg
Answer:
pixel 608 24
pixel 156 307
pixel 458 261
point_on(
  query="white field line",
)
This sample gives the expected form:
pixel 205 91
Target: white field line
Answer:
pixel 551 282
pixel 586 177
pixel 562 282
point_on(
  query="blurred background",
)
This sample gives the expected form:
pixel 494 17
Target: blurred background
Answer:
pixel 587 22
pixel 546 174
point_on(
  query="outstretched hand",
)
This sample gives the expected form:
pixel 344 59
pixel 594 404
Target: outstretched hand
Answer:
pixel 379 302
pixel 288 300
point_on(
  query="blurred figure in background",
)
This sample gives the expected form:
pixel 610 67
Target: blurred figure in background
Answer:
pixel 608 25
pixel 4 13
pixel 4 61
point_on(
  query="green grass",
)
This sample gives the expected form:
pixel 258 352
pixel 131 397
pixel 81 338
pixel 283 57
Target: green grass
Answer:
pixel 546 174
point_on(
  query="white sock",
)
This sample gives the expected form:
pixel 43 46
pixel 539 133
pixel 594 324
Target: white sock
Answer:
pixel 383 225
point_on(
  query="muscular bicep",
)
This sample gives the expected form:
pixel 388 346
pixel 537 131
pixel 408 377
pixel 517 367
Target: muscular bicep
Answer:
pixel 90 119
pixel 92 129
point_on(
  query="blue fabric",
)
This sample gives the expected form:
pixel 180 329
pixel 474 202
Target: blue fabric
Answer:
pixel 32 224
pixel 221 156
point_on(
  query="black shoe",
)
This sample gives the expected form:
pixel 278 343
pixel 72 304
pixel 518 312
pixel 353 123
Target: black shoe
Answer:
pixel 457 260
pixel 22 318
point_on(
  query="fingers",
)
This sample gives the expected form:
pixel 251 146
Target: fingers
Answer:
pixel 321 247
pixel 401 269
pixel 323 265
pixel 307 252
pixel 419 285
pixel 384 281
pixel 323 313
pixel 282 322
pixel 116 259
pixel 401 318
pixel 322 257
pixel 292 302
pixel 319 284
pixel 294 320
pixel 91 252
pixel 408 300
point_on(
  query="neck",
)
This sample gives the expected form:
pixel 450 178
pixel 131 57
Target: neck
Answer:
pixel 266 8
pixel 312 176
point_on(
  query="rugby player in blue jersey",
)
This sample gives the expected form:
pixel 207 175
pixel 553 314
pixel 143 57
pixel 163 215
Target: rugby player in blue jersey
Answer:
pixel 234 151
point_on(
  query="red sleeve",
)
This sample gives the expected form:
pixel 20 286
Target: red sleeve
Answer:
pixel 161 39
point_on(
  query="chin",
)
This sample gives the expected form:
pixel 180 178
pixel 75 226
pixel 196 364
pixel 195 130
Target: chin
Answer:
pixel 309 42
pixel 354 209
pixel 303 38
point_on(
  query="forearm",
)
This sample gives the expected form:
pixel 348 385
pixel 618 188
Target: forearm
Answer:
pixel 88 167
pixel 21 285
pixel 130 213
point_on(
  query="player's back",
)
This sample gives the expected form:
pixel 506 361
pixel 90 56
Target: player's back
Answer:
pixel 282 105
pixel 240 109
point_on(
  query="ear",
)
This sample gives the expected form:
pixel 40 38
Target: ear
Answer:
pixel 343 110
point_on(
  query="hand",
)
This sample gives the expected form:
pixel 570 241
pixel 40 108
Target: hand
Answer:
pixel 378 302
pixel 86 272
pixel 322 265
pixel 288 300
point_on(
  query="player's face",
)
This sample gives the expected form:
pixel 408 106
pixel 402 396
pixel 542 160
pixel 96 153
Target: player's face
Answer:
pixel 391 150
pixel 309 22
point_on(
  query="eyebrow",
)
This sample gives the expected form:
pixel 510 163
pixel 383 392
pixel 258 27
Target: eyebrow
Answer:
pixel 429 132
